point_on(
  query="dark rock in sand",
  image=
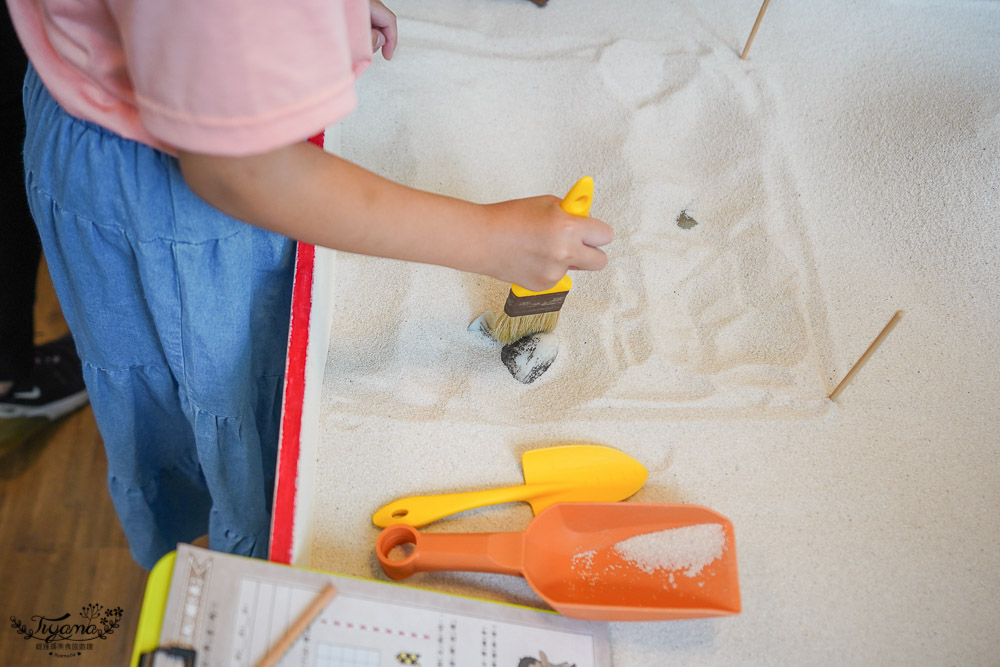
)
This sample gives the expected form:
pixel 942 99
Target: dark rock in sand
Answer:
pixel 529 357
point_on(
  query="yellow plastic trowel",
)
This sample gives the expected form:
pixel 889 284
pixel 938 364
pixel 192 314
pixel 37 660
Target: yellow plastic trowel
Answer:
pixel 570 473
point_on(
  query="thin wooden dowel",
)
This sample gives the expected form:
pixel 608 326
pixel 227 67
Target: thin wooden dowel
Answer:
pixel 864 357
pixel 314 609
pixel 753 33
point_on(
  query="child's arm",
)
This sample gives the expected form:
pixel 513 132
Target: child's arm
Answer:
pixel 310 195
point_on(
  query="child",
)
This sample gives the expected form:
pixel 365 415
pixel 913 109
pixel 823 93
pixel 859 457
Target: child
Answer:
pixel 155 132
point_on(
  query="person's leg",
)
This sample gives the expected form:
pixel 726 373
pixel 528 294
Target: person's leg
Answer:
pixel 72 173
pixel 181 317
pixel 19 247
pixel 234 293
pixel 223 324
pixel 43 381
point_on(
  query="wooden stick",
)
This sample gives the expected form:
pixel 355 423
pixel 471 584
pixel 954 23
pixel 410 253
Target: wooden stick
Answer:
pixel 314 609
pixel 864 357
pixel 753 33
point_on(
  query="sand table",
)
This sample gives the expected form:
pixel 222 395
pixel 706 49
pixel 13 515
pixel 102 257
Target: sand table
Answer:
pixel 771 215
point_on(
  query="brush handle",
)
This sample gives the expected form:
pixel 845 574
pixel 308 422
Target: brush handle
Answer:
pixel 422 510
pixel 577 202
pixel 580 197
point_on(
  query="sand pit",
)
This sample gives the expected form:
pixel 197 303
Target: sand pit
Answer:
pixel 770 216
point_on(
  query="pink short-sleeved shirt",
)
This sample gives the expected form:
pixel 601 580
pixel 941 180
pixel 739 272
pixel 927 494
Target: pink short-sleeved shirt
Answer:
pixel 225 77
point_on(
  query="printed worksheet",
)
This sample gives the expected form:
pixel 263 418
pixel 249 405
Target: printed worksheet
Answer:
pixel 231 610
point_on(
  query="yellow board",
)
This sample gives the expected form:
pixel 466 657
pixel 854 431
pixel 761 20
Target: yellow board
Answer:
pixel 154 606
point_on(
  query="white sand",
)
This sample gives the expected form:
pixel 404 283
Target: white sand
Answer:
pixel 688 548
pixel 850 168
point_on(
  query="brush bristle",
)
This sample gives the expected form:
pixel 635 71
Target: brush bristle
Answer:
pixel 506 329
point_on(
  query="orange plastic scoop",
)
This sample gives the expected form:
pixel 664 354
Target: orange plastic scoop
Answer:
pixel 598 561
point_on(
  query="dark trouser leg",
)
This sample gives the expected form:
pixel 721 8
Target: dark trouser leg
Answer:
pixel 19 247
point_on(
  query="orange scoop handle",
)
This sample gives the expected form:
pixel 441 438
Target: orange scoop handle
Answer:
pixel 499 553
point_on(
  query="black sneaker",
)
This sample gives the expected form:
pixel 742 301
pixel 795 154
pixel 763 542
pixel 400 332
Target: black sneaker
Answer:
pixel 55 387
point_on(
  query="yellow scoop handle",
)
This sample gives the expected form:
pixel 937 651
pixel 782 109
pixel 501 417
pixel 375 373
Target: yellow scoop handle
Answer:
pixel 422 510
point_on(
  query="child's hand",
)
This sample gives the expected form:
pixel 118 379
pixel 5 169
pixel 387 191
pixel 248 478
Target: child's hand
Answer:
pixel 534 242
pixel 384 32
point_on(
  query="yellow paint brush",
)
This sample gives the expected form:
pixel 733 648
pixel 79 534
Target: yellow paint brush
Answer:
pixel 526 312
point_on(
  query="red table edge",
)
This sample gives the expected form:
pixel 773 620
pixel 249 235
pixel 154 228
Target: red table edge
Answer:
pixel 289 438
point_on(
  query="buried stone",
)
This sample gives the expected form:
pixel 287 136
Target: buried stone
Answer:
pixel 685 221
pixel 529 357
